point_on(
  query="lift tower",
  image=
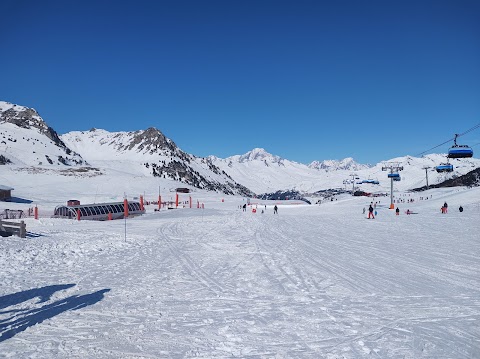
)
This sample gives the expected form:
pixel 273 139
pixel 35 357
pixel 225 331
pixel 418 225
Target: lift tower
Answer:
pixel 354 176
pixel 426 173
pixel 393 167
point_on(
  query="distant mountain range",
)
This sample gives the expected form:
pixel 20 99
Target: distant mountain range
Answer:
pixel 26 140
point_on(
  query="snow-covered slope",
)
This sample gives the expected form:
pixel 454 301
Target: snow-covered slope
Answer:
pixel 149 153
pixel 25 139
pixel 263 172
pixel 347 164
pixel 309 282
pixel 28 141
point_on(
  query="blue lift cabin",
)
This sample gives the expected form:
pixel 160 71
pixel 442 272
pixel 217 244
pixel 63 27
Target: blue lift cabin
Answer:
pixel 444 167
pixel 371 181
pixel 459 151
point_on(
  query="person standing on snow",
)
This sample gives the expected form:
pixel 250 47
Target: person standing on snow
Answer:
pixel 275 210
pixel 397 212
pixel 445 206
pixel 370 212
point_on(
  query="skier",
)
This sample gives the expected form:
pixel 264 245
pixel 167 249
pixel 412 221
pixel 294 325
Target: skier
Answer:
pixel 397 211
pixel 445 207
pixel 370 212
pixel 460 209
pixel 244 207
pixel 275 210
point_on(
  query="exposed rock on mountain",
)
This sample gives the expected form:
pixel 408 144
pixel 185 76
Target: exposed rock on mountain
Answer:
pixel 470 179
pixel 347 164
pixel 32 141
pixel 157 154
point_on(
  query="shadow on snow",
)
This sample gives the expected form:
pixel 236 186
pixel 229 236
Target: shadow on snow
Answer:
pixel 18 200
pixel 27 317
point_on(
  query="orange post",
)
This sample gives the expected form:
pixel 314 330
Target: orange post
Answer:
pixel 198 204
pixel 35 212
pixel 78 214
pixel 110 217
pixel 176 200
pixel 125 208
pixel 142 207
pixel 190 201
pixel 159 202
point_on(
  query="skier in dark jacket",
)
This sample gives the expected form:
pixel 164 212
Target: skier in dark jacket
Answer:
pixel 275 210
pixel 370 212
pixel 397 211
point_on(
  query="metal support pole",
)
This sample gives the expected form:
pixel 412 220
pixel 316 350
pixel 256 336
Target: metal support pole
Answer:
pixel 391 193
pixel 426 173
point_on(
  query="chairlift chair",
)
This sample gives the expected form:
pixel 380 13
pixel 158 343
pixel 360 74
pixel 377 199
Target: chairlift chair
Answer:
pixel 459 151
pixel 444 167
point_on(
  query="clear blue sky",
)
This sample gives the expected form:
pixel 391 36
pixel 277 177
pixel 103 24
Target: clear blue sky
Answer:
pixel 306 80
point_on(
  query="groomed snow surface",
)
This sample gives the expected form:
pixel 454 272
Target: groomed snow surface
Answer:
pixel 318 281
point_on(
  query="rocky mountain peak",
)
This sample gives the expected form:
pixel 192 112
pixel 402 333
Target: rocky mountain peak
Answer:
pixel 258 154
pixel 28 119
pixel 334 165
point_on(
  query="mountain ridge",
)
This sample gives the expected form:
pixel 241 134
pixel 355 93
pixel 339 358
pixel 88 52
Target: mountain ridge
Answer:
pixel 150 153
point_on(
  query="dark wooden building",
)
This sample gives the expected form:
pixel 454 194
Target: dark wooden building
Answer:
pixel 5 193
pixel 183 190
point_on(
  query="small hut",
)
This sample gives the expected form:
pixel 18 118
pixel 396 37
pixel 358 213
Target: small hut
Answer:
pixel 5 193
pixel 183 190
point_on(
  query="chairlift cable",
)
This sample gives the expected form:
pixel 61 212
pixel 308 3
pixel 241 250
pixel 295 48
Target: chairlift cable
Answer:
pixel 452 139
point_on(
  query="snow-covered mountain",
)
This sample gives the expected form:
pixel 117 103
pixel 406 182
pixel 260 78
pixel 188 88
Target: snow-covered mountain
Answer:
pixel 29 142
pixel 26 139
pixel 263 172
pixel 347 164
pixel 149 152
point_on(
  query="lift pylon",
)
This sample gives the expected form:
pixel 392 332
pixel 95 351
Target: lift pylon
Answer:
pixel 393 167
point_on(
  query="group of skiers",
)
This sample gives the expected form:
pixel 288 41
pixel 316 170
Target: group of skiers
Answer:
pixel 254 210
pixel 372 212
pixel 444 208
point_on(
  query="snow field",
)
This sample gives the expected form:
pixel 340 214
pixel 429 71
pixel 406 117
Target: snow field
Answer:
pixel 310 282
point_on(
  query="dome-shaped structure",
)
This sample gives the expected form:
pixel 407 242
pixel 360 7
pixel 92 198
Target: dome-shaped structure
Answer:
pixel 98 211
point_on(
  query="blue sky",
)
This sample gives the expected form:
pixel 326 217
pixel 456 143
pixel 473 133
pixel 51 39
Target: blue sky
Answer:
pixel 306 80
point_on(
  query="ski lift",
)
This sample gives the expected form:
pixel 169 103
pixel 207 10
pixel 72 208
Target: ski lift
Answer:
pixel 459 151
pixel 371 181
pixel 393 175
pixel 444 167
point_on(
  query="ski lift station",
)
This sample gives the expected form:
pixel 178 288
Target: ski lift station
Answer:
pixel 98 211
